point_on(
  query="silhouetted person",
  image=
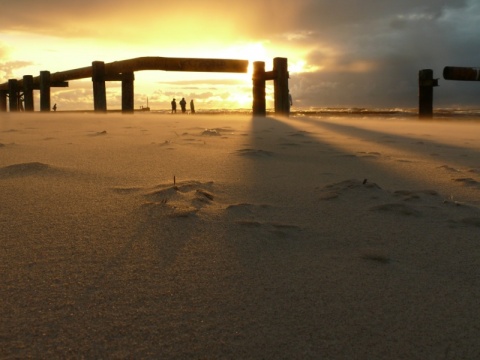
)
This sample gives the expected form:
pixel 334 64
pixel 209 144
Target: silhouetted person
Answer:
pixel 174 106
pixel 54 107
pixel 183 105
pixel 192 107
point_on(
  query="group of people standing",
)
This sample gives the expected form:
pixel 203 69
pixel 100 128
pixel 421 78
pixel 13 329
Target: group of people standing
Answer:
pixel 183 106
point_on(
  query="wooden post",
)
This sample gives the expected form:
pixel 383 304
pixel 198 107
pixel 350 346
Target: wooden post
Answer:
pixel 127 92
pixel 3 100
pixel 13 94
pixel 99 89
pixel 45 91
pixel 282 102
pixel 259 102
pixel 28 92
pixel 426 82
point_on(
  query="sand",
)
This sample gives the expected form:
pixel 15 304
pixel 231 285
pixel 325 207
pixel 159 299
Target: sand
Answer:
pixel 179 236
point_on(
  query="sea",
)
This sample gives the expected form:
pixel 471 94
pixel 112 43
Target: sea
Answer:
pixel 323 112
pixel 440 113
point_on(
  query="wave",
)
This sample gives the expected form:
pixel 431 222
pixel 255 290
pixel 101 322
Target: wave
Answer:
pixel 397 112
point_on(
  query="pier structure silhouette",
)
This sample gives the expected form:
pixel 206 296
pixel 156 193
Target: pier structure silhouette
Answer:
pixel 20 92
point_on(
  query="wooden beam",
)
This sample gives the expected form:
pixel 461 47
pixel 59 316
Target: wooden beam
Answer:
pixel 148 63
pixel 270 75
pixel 177 64
pixel 461 73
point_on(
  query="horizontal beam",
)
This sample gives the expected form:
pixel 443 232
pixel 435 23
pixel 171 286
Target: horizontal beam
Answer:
pixel 148 63
pixel 177 64
pixel 461 73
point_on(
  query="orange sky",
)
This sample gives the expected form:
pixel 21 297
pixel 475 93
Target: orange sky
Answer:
pixel 346 53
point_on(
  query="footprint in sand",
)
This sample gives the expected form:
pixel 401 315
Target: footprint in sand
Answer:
pixel 99 133
pixel 333 191
pixel 469 221
pixel 376 257
pixel 246 208
pixel 247 216
pixel 397 208
pixel 289 144
pixel 448 168
pixel 278 229
pixel 468 182
pixel 369 155
pixel 258 153
pixel 182 200
pixel 126 190
pixel 408 195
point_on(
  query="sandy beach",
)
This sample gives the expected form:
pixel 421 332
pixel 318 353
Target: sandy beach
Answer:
pixel 153 236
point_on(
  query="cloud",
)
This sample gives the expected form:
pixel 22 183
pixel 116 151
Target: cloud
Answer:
pixel 8 68
pixel 357 52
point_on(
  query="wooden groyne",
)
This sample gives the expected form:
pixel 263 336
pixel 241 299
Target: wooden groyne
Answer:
pixel 20 91
pixel 461 73
pixel 426 83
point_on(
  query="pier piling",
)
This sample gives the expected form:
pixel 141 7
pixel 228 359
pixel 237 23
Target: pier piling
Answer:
pixel 99 89
pixel 13 95
pixel 426 83
pixel 28 92
pixel 128 92
pixel 124 71
pixel 3 100
pixel 45 91
pixel 259 104
pixel 282 102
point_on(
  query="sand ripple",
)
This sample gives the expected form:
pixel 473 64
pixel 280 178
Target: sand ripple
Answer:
pixel 26 169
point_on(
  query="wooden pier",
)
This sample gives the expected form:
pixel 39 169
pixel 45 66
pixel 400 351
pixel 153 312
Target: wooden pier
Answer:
pixel 20 91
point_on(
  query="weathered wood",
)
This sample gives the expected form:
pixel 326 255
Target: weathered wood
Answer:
pixel 58 84
pixel 259 103
pixel 177 64
pixel 270 75
pixel 461 73
pixel 282 102
pixel 128 92
pixel 115 72
pixel 28 92
pixel 149 63
pixel 99 89
pixel 426 82
pixel 45 91
pixel 3 100
pixel 13 95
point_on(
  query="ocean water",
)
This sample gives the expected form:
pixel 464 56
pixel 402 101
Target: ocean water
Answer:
pixel 438 113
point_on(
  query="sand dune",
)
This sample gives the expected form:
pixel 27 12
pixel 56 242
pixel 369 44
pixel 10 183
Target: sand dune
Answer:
pixel 175 236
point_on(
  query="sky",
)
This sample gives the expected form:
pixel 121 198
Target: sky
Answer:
pixel 342 53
